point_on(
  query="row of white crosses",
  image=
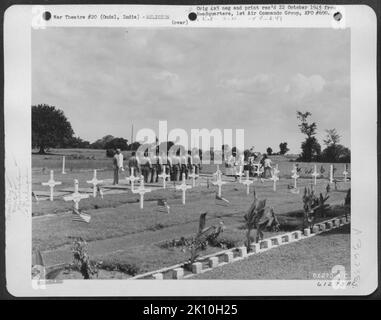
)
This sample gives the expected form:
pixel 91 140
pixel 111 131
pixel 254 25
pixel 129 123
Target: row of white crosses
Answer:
pixel 219 183
pixel 247 182
pixel 183 187
pixel 345 173
pixel 295 176
pixel 95 183
pixel 76 197
pixel 51 184
pixel 274 176
pixel 141 190
pixel 132 179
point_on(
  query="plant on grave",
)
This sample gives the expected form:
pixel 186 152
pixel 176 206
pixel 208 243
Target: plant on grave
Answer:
pixel 314 205
pixel 81 259
pixel 204 236
pixel 259 217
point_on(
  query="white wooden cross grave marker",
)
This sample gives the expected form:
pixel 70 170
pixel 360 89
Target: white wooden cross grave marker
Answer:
pixel 295 176
pixel 183 187
pixel 76 197
pixel 132 179
pixel 247 182
pixel 95 182
pixel 51 183
pixel 345 173
pixel 164 176
pixel 315 174
pixel 141 191
pixel 219 183
pixel 63 165
pixel 193 175
pixel 274 178
pixel 276 171
pixel 240 174
pixel 331 173
pixel 218 172
pixel 258 171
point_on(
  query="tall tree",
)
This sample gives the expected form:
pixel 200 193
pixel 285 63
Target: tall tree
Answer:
pixel 310 147
pixel 283 149
pixel 332 137
pixel 50 127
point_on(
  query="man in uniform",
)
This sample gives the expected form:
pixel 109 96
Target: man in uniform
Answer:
pixel 196 161
pixel 146 167
pixel 117 165
pixel 133 162
pixel 156 166
pixel 175 160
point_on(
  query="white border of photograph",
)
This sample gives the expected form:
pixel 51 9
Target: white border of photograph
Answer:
pixel 17 116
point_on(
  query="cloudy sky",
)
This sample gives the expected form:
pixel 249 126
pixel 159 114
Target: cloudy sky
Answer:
pixel 105 79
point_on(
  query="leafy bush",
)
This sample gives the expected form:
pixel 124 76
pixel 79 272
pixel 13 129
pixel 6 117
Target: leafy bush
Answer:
pixel 110 153
pixel 81 259
pixel 127 268
pixel 226 241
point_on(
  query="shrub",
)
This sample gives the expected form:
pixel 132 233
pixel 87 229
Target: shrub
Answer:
pixel 110 153
pixel 128 268
pixel 81 259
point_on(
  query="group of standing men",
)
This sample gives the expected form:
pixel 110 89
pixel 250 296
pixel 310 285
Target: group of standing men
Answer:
pixel 152 164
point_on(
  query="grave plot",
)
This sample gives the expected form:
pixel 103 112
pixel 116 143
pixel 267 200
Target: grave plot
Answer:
pixel 121 233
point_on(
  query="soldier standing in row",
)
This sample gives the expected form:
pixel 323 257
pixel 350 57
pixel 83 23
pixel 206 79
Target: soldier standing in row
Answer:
pixel 196 162
pixel 175 159
pixel 117 165
pixel 166 164
pixel 156 166
pixel 146 167
pixel 133 163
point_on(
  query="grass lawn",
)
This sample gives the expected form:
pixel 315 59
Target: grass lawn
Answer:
pixel 306 259
pixel 120 232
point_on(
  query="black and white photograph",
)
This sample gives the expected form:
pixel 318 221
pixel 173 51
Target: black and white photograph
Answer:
pixel 192 153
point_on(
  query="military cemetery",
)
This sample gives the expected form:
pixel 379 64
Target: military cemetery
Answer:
pixel 152 168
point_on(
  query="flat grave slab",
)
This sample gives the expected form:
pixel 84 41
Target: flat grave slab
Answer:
pixel 41 193
pixel 82 190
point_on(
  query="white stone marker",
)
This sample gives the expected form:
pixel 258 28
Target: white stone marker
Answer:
pixel 213 262
pixel 132 179
pixel 193 175
pixel 177 273
pixel 247 182
pixel 63 165
pixel 274 178
pixel 331 173
pixel 196 267
pixel 76 197
pixel 219 183
pixel 51 183
pixel 164 176
pixel 141 191
pixel 183 187
pixel 315 174
pixel 95 182
pixel 242 252
pixel 345 173
pixel 158 276
pixel 228 257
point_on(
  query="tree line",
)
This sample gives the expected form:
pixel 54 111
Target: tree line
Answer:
pixel 51 129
